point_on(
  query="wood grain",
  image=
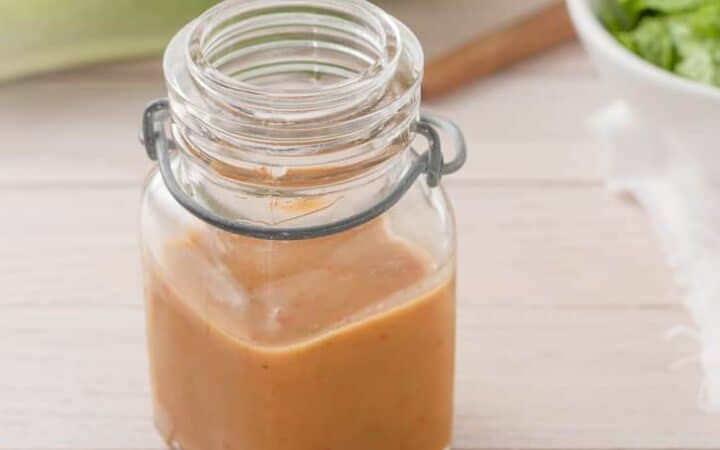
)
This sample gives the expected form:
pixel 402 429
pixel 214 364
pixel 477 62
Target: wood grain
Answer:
pixel 564 298
pixel 72 323
pixel 497 50
pixel 74 142
pixel 527 378
pixel 559 241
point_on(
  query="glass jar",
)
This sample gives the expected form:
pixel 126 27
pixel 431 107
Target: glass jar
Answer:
pixel 298 251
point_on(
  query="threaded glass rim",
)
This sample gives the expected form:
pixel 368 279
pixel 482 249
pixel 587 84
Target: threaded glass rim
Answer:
pixel 226 105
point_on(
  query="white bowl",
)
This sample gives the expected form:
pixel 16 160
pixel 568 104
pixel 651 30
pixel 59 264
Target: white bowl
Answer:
pixel 683 114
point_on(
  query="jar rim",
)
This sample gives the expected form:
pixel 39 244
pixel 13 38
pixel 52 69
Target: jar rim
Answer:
pixel 296 121
pixel 294 140
pixel 384 27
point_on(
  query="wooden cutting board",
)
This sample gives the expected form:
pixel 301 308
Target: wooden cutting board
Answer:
pixel 467 39
pixel 442 25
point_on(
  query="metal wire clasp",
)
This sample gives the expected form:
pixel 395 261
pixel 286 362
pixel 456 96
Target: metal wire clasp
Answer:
pixel 431 162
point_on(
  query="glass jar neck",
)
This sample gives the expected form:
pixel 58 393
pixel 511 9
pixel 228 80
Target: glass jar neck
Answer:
pixel 293 94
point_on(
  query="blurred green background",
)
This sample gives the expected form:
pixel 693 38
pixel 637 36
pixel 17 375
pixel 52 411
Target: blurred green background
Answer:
pixel 44 35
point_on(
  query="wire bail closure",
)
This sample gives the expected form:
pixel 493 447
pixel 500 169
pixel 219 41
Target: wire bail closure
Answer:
pixel 158 147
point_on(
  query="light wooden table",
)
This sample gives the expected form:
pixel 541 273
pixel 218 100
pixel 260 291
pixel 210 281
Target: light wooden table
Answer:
pixel 565 297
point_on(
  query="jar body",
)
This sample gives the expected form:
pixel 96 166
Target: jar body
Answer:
pixel 338 342
pixel 312 305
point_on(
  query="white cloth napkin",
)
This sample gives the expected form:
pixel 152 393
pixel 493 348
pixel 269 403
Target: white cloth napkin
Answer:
pixel 685 208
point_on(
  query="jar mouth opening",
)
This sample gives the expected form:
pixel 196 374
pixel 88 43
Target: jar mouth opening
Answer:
pixel 292 48
pixel 293 82
pixel 297 58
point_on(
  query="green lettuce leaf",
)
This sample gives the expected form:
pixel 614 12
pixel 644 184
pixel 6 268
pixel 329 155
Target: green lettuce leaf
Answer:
pixel 682 36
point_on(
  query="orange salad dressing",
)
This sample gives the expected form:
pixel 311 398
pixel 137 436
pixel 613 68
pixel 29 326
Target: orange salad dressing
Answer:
pixel 338 343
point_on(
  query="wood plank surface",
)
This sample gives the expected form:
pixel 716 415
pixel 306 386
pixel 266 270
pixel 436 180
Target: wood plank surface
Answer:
pixel 564 296
pixel 533 274
pixel 513 131
pixel 527 378
pixel 519 245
